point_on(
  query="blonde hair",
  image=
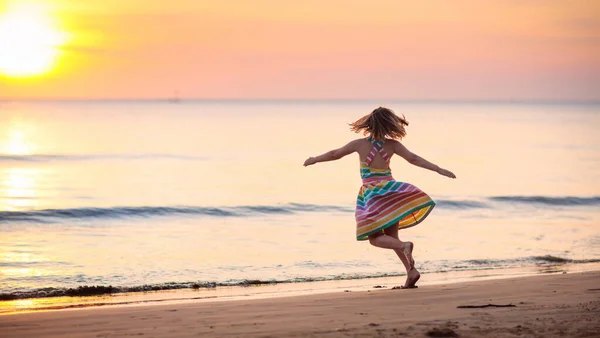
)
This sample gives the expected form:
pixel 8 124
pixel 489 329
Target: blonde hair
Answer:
pixel 381 123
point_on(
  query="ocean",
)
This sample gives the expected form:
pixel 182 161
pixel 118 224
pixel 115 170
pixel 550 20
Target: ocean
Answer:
pixel 126 196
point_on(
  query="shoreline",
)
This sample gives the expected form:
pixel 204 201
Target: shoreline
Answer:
pixel 275 290
pixel 553 305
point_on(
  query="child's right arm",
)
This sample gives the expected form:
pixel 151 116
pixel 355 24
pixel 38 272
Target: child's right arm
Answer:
pixel 335 154
pixel 414 159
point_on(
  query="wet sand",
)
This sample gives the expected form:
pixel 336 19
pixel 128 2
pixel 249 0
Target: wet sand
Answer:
pixel 559 305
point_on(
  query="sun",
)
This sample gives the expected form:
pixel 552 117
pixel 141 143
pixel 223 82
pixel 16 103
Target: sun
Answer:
pixel 29 42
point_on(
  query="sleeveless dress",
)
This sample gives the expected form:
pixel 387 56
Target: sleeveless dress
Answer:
pixel 384 202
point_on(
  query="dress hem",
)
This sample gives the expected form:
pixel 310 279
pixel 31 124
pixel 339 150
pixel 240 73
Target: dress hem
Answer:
pixel 397 219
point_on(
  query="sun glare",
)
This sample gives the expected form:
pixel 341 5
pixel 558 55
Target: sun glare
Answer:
pixel 29 42
pixel 17 144
pixel 19 187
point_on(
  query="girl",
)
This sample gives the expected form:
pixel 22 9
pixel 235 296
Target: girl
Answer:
pixel 384 205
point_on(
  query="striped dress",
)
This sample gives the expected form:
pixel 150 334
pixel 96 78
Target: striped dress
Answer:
pixel 384 202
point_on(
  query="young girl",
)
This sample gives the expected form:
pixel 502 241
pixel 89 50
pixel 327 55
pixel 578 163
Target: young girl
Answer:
pixel 385 205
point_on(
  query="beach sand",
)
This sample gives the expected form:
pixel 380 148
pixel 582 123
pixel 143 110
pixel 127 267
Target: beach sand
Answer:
pixel 559 305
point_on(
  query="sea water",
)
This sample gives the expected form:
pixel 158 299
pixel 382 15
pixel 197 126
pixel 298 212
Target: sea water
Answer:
pixel 143 195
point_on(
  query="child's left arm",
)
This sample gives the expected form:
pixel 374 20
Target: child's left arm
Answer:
pixel 333 155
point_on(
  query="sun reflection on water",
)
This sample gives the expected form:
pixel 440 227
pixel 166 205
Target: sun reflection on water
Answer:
pixel 54 303
pixel 21 272
pixel 23 304
pixel 17 143
pixel 18 189
pixel 18 185
pixel 20 257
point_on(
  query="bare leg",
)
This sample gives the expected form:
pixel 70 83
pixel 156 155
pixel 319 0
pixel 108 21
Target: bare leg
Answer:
pixel 408 264
pixel 389 240
pixel 412 274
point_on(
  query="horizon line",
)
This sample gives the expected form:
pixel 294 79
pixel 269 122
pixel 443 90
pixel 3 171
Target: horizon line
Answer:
pixel 398 100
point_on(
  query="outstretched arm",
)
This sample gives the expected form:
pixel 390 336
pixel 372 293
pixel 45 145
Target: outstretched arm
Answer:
pixel 333 155
pixel 417 160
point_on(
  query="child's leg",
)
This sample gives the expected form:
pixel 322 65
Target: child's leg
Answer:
pixel 393 232
pixel 389 240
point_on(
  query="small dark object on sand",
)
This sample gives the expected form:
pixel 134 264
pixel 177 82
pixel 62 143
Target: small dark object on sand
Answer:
pixel 482 306
pixel 405 287
pixel 443 332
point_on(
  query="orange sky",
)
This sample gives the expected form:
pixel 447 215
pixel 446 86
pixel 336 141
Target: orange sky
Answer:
pixel 427 49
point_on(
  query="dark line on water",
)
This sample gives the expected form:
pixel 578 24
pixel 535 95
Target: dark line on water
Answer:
pixel 461 204
pixel 548 200
pixel 77 157
pixel 54 215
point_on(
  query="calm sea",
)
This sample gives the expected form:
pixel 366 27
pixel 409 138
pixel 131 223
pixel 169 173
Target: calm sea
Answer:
pixel 144 195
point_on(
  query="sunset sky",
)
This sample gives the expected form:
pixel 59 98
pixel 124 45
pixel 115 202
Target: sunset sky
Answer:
pixel 340 49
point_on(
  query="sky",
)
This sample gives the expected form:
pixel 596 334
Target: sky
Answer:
pixel 318 49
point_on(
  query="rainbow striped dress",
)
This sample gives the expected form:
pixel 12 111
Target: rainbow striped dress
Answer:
pixel 384 202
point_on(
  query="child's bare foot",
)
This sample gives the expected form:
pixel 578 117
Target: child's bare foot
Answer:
pixel 408 249
pixel 411 279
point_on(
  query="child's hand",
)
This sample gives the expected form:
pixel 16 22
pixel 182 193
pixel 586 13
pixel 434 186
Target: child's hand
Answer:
pixel 446 173
pixel 310 161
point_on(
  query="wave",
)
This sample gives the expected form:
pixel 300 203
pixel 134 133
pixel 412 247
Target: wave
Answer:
pixel 494 201
pixel 461 204
pixel 547 261
pixel 95 290
pixel 53 215
pixel 537 260
pixel 550 201
pixel 76 157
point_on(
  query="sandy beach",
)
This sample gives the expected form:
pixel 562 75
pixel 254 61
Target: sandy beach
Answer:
pixel 560 305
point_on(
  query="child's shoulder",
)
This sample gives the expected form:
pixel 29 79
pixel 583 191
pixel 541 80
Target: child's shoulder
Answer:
pixel 359 143
pixel 360 140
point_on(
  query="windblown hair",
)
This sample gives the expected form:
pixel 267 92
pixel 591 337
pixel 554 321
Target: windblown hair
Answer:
pixel 381 123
